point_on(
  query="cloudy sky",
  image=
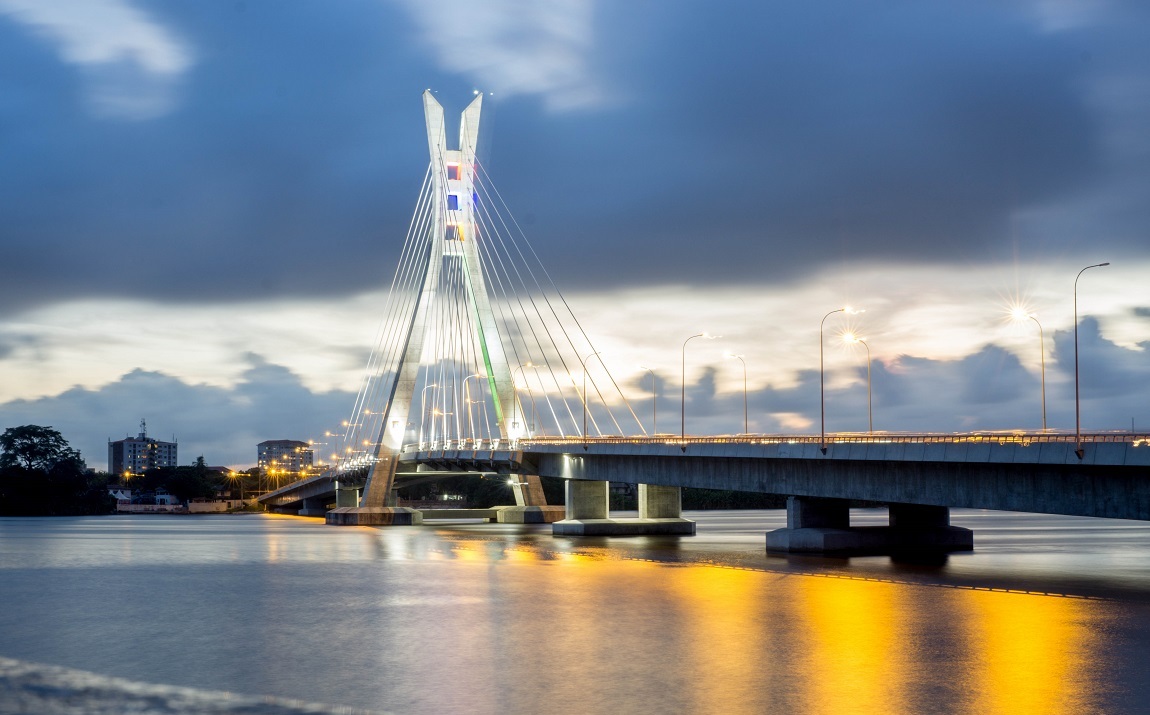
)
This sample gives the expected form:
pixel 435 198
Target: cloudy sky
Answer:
pixel 201 203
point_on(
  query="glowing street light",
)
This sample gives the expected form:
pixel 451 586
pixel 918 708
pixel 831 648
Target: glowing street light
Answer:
pixel 746 429
pixel 654 400
pixel 1077 412
pixel 822 389
pixel 852 338
pixel 1020 314
pixel 683 387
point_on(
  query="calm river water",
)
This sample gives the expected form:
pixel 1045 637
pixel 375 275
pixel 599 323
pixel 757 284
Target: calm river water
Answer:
pixel 1048 615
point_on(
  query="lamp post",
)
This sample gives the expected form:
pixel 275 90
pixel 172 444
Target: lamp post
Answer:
pixel 467 398
pixel 1077 411
pixel 423 408
pixel 746 423
pixel 654 400
pixel 584 364
pixel 852 338
pixel 683 387
pixel 822 390
pixel 530 396
pixel 1020 314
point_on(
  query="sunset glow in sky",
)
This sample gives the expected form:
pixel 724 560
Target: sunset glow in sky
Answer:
pixel 202 204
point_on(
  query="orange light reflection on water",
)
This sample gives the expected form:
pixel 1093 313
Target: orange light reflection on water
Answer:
pixel 1031 654
pixel 854 637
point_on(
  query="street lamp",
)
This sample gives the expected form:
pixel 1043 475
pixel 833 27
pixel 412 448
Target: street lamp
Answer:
pixel 423 408
pixel 822 389
pixel 654 399
pixel 852 338
pixel 1020 314
pixel 1077 412
pixel 683 387
pixel 584 364
pixel 746 429
pixel 467 398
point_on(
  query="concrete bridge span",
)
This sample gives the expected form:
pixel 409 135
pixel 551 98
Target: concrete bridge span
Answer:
pixel 921 477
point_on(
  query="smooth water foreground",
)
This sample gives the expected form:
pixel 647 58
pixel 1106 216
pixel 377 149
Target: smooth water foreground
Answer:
pixel 1049 614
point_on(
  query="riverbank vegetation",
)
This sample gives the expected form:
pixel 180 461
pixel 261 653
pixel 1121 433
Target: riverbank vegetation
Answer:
pixel 41 475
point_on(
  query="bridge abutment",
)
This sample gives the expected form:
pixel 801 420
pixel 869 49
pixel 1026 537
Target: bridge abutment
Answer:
pixel 822 526
pixel 588 504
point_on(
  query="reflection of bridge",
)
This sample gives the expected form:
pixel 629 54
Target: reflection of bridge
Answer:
pixel 480 358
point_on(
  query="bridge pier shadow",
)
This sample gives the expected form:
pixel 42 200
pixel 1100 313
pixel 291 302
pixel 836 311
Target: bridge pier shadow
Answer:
pixel 822 526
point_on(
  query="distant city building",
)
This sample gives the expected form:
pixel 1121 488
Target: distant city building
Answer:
pixel 135 455
pixel 284 456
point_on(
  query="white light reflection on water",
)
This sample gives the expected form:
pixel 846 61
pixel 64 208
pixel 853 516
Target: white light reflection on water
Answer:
pixel 498 618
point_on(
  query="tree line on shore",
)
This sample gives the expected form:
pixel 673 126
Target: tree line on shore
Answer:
pixel 42 475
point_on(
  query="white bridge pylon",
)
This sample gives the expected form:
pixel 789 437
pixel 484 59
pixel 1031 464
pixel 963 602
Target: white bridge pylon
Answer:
pixel 477 346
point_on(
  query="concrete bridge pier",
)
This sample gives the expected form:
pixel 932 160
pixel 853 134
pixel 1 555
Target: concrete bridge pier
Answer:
pixel 530 503
pixel 314 506
pixel 588 503
pixel 822 526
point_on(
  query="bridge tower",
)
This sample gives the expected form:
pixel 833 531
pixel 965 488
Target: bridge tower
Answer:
pixel 453 247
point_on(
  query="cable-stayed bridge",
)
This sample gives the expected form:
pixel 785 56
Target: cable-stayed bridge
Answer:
pixel 481 367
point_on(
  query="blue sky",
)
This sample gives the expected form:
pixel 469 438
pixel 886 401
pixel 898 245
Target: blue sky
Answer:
pixel 201 203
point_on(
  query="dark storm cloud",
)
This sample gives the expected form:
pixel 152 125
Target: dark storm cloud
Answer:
pixel 740 144
pixel 1105 369
pixel 222 424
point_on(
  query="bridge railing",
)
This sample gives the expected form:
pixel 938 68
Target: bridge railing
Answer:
pixel 1013 437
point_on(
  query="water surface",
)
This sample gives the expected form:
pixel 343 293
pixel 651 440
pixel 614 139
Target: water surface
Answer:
pixel 1050 614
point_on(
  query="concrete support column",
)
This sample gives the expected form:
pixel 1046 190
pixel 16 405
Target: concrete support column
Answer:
pixel 657 502
pixel 346 496
pixel 811 513
pixel 822 526
pixel 587 512
pixel 528 490
pixel 530 503
pixel 313 507
pixel 587 499
pixel 918 516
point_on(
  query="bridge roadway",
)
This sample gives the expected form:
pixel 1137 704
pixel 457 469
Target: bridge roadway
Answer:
pixel 921 476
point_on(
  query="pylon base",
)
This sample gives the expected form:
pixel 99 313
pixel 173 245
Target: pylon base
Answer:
pixel 529 514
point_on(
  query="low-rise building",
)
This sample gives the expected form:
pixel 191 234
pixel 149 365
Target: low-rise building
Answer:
pixel 135 455
pixel 287 457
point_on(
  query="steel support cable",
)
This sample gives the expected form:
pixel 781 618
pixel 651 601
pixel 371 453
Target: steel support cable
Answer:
pixel 499 263
pixel 575 349
pixel 473 362
pixel 482 171
pixel 458 353
pixel 496 266
pixel 551 337
pixel 501 279
pixel 547 300
pixel 377 356
pixel 401 310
